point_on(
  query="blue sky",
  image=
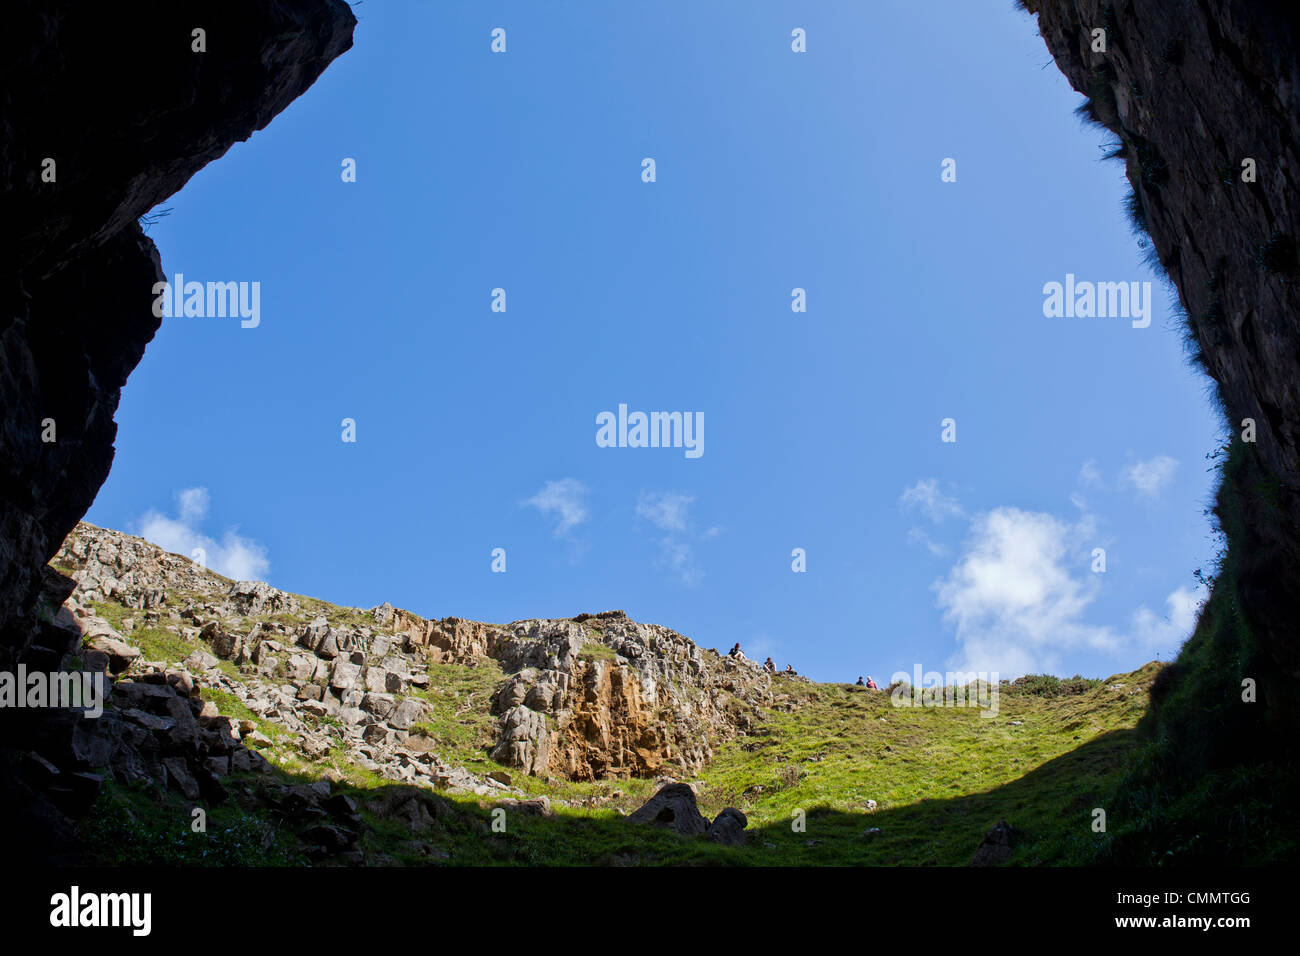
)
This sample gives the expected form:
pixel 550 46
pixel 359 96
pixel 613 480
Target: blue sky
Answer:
pixel 775 170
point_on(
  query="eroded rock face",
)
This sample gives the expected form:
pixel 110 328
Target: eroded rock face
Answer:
pixel 332 686
pixel 450 640
pixel 624 699
pixel 127 111
pixel 1194 89
pixel 599 698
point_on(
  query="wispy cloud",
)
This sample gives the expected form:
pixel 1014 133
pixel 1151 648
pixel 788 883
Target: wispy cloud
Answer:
pixel 918 536
pixel 1150 477
pixel 666 510
pixel 669 512
pixel 234 556
pixel 927 497
pixel 564 501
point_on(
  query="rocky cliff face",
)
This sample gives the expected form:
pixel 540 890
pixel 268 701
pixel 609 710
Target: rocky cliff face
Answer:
pixel 606 696
pixel 105 111
pixel 1204 96
pixel 599 696
pixel 595 698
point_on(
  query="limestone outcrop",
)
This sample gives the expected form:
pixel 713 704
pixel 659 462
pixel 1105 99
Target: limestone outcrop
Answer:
pixel 592 698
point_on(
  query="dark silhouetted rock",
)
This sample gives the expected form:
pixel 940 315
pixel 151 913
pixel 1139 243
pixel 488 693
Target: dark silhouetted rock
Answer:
pixel 997 845
pixel 728 827
pixel 673 808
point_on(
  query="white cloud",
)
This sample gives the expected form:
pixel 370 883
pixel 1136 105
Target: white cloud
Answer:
pixel 669 511
pixel 1090 475
pixel 234 556
pixel 1167 634
pixel 1015 598
pixel 932 502
pixel 918 536
pixel 193 504
pixel 666 510
pixel 562 500
pixel 1152 476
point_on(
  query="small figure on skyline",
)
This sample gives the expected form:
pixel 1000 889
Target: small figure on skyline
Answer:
pixel 871 684
pixel 769 666
pixel 860 684
pixel 735 651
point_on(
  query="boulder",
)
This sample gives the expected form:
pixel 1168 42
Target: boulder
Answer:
pixel 728 827
pixel 997 845
pixel 525 741
pixel 117 654
pixel 376 680
pixel 536 806
pixel 180 778
pixel 344 675
pixel 224 644
pixel 381 705
pixel 312 634
pixel 407 714
pixel 673 808
pixel 200 660
pixel 257 597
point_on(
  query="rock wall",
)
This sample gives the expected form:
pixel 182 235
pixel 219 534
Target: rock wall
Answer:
pixel 597 698
pixel 1193 89
pixel 608 697
pixel 116 96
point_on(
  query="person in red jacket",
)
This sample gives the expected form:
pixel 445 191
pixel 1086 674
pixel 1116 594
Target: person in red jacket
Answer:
pixel 871 684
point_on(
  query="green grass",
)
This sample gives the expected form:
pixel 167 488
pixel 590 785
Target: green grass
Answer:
pixel 1215 776
pixel 345 617
pixel 1171 780
pixel 113 613
pixel 1046 685
pixel 157 644
pixel 941 777
pixel 228 705
pixel 137 826
pixel 459 724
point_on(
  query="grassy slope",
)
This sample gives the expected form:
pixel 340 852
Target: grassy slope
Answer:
pixel 1215 779
pixel 941 777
